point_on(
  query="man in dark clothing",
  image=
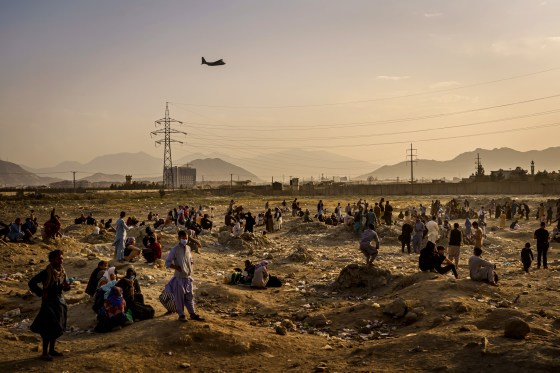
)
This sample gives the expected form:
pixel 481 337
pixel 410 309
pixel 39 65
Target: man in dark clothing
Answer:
pixel 406 235
pixel 439 259
pixel 388 213
pixel 455 242
pixel 542 236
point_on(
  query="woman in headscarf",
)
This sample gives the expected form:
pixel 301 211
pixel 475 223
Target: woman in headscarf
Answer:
pixel 114 312
pixel 260 278
pixel 269 221
pixel 50 323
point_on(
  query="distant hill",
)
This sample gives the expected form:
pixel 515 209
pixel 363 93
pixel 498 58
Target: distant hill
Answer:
pixel 12 175
pixel 216 169
pixel 140 165
pixel 297 163
pixel 99 177
pixel 463 165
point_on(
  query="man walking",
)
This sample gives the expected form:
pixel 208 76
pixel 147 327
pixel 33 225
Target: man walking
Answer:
pixel 181 285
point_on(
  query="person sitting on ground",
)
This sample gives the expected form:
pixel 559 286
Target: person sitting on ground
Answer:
pixel 514 225
pixel 80 220
pixel 426 259
pixel 348 219
pixel 261 276
pixel 133 297
pixel 329 220
pixel 15 232
pixel 112 315
pixel 369 251
pixel 109 227
pixel 90 220
pixel 95 277
pixel 4 230
pixel 149 233
pixel 153 250
pixel 52 227
pixel 237 229
pixel 439 259
pixel 307 217
pixel 131 251
pixel 111 274
pixel 229 220
pixel 482 270
pixel 206 223
pixel 132 221
pixel 248 272
pixel 527 257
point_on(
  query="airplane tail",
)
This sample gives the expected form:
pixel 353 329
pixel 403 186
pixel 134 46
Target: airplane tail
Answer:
pixel 204 61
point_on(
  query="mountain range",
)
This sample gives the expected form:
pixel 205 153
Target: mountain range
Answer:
pixel 296 162
pixel 464 164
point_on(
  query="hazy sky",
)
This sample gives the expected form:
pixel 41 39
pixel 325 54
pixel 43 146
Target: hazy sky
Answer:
pixel 85 78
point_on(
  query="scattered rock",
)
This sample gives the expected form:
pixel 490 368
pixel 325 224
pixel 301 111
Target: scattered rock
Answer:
pixel 184 365
pixel 410 318
pixel 300 315
pixel 288 324
pixel 281 330
pixel 396 308
pixel 81 263
pixel 516 328
pixel 468 328
pixel 317 321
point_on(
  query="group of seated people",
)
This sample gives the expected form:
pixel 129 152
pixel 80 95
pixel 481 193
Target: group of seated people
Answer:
pixel 433 259
pixel 116 302
pixel 152 248
pixel 87 220
pixel 18 231
pixel 257 276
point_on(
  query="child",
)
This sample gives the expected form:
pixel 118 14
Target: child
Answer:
pixel 527 257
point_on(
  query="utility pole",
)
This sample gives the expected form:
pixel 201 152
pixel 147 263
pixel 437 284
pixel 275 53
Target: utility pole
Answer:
pixel 411 154
pixel 74 178
pixel 230 181
pixel 167 131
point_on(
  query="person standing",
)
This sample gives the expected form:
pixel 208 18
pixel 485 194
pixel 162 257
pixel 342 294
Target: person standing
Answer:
pixel 120 237
pixel 542 236
pixel 418 235
pixel 50 323
pixel 406 234
pixel 181 284
pixel 433 230
pixel 388 215
pixel 477 235
pixel 455 242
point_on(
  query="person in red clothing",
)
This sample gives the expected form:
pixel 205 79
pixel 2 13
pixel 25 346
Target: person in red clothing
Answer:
pixel 153 250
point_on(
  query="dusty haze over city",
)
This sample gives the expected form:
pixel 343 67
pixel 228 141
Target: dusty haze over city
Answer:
pixel 362 79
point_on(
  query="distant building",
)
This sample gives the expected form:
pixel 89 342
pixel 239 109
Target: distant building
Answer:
pixel 184 176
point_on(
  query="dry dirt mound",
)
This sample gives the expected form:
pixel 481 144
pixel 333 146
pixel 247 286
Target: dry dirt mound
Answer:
pixel 361 276
pixel 301 254
pixel 309 228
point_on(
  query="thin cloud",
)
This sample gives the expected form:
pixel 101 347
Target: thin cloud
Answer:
pixel 445 84
pixel 390 77
pixel 432 15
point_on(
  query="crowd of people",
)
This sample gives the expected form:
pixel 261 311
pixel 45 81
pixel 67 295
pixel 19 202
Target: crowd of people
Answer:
pixel 118 300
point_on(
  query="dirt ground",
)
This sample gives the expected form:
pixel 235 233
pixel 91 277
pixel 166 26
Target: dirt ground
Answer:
pixel 310 324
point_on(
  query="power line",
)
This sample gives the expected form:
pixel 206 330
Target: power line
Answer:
pixel 371 100
pixel 336 137
pixel 307 126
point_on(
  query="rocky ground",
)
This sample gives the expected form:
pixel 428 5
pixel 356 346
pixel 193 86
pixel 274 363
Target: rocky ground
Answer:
pixel 332 314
